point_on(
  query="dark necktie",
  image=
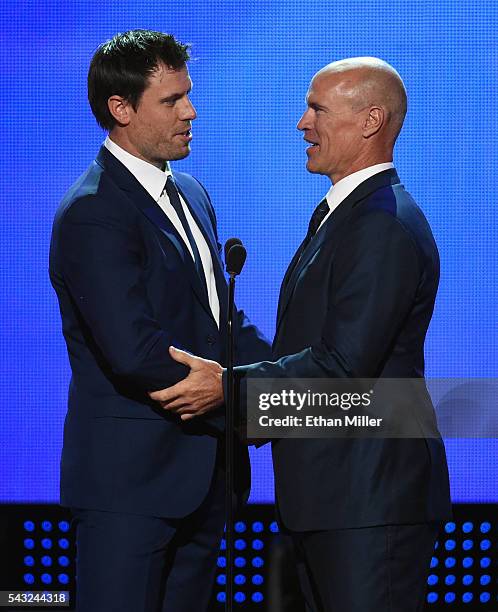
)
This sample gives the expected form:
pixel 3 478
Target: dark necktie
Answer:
pixel 174 199
pixel 317 217
pixel 319 214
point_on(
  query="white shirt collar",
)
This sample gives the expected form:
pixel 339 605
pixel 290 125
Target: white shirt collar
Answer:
pixel 149 176
pixel 340 191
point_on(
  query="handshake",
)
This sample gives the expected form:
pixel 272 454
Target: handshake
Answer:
pixel 200 392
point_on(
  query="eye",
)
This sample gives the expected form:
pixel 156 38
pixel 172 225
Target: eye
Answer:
pixel 171 101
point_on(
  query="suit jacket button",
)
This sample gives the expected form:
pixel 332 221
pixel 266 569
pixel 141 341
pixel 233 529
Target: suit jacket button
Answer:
pixel 211 339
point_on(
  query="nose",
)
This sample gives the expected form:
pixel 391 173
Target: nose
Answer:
pixel 188 112
pixel 305 122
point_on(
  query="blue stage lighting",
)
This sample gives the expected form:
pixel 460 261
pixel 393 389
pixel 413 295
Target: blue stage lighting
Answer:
pixel 434 562
pixel 239 597
pixel 485 562
pixel 64 526
pixel 485 527
pixel 221 597
pixel 450 544
pixel 46 526
pixel 29 526
pixel 257 579
pixel 450 562
pixel 432 580
pixel 485 580
pixel 450 527
pixel 223 544
pixel 221 579
pixel 63 561
pixel 449 597
pixel 467 579
pixel 257 527
pixel 257 562
pixel 485 544
pixel 467 597
pixel 29 543
pixel 239 579
pixel 46 561
pixel 257 597
pixel 467 562
pixel 485 597
pixel 221 562
pixel 64 543
pixel 450 579
pixel 240 562
pixel 468 544
pixel 63 578
pixel 46 543
pixel 257 544
pixel 240 544
pixel 46 579
pixel 467 527
pixel 29 578
pixel 274 527
pixel 29 561
pixel 240 527
pixel 432 598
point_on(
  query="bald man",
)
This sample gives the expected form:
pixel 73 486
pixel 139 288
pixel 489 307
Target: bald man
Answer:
pixel 356 302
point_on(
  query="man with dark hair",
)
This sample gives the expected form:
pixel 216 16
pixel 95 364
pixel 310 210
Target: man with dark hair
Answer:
pixel 123 65
pixel 356 302
pixel 135 262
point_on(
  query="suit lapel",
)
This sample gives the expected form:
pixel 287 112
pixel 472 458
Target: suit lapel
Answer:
pixel 295 270
pixel 326 233
pixel 156 215
pixel 205 226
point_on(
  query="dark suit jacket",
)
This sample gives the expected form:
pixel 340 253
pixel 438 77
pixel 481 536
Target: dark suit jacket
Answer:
pixel 127 289
pixel 358 304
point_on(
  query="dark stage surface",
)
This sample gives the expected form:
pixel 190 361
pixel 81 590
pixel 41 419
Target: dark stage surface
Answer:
pixel 37 553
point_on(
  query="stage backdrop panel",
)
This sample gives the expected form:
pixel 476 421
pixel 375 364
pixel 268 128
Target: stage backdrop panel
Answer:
pixel 253 63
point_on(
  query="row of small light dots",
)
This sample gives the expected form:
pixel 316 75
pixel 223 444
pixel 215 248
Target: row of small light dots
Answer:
pixel 47 526
pixel 468 527
pixel 467 562
pixel 46 560
pixel 450 597
pixel 240 562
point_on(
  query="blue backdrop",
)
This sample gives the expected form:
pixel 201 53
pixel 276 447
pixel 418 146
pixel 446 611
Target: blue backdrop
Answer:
pixel 253 64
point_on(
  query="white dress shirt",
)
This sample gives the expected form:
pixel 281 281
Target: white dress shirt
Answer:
pixel 153 180
pixel 340 191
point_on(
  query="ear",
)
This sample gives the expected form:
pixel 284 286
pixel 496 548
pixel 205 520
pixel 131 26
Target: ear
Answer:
pixel 374 121
pixel 120 109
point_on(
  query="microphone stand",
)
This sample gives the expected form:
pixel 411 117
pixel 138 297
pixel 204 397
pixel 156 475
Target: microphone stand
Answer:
pixel 229 450
pixel 235 256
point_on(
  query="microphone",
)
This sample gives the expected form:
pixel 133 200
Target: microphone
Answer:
pixel 229 244
pixel 236 259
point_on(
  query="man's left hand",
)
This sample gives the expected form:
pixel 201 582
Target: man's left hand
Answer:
pixel 197 394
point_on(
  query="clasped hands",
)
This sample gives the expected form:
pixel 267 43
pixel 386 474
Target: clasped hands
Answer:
pixel 200 392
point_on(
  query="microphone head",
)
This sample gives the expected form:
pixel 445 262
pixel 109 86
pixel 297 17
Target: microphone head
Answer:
pixel 236 259
pixel 229 244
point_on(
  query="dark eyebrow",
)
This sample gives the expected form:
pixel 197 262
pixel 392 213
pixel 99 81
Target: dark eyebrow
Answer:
pixel 175 97
pixel 172 98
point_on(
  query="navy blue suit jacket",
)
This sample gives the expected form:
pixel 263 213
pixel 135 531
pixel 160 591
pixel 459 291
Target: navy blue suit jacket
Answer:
pixel 127 290
pixel 358 304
